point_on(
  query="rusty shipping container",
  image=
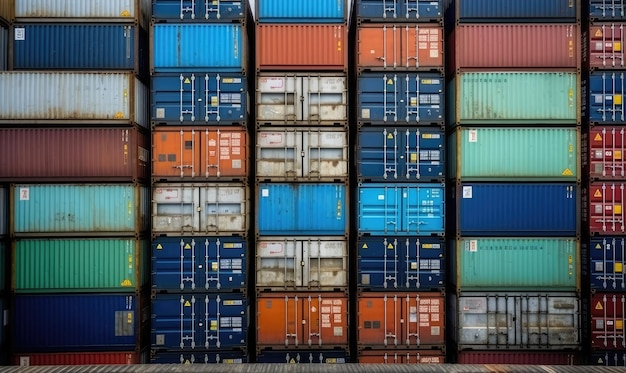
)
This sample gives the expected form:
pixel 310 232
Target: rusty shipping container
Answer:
pixel 606 150
pixel 199 153
pixel 401 357
pixel 606 45
pixel 7 11
pixel 282 47
pixel 606 215
pixel 519 357
pixel 608 316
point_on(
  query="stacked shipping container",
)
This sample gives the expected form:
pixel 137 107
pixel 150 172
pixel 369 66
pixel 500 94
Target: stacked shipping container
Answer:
pixel 514 140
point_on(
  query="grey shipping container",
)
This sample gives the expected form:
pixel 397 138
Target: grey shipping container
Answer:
pixel 4 48
pixel 4 211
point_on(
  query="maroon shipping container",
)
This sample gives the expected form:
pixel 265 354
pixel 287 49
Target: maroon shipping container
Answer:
pixel 79 358
pixel 519 357
pixel 606 212
pixel 515 46
pixel 73 154
pixel 606 46
pixel 608 316
pixel 607 148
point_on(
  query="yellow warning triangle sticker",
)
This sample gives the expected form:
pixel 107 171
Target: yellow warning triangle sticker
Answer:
pixel 597 138
pixel 390 82
pixel 187 81
pixel 187 247
pixel 599 306
pixel 125 13
pixel 187 304
pixel 159 247
pixel 390 246
pixel 598 246
pixel 364 246
pixel 567 172
pixel 598 33
pixel 390 136
pixel 292 361
pixel 598 193
pixel 187 362
pixel 118 115
pixel 127 283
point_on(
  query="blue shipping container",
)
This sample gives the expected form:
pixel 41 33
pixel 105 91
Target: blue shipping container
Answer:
pixel 199 321
pixel 401 209
pixel 401 10
pixel 198 47
pixel 513 10
pixel 606 90
pixel 198 263
pixel 289 11
pixel 400 154
pixel 607 260
pixel 401 99
pixel 202 98
pixel 608 358
pixel 607 10
pixel 81 322
pixel 401 263
pixel 304 357
pixel 223 10
pixel 500 209
pixel 302 209
pixel 222 357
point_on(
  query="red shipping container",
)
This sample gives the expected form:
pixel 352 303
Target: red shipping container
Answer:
pixel 73 154
pixel 392 320
pixel 401 357
pixel 400 46
pixel 608 316
pixel 607 149
pixel 301 47
pixel 518 357
pixel 78 358
pixel 606 46
pixel 515 46
pixel 606 212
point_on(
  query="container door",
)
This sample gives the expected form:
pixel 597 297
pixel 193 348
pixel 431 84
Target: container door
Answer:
pixel 378 47
pixel 225 153
pixel 224 208
pixel 608 316
pixel 423 210
pixel 424 263
pixel 174 265
pixel 278 100
pixel 606 46
pixel 486 321
pixel 176 154
pixel 279 321
pixel 379 263
pixel 608 261
pixel 609 358
pixel 606 103
pixel 549 322
pixel 325 264
pixel 423 156
pixel 325 154
pixel 379 10
pixel 278 264
pixel 379 323
pixel 422 47
pixel 174 209
pixel 326 321
pixel 380 209
pixel 325 99
pixel 607 148
pixel 224 99
pixel 606 212
pixel 278 154
pixel 379 98
pixel 422 318
pixel 422 101
pixel 600 10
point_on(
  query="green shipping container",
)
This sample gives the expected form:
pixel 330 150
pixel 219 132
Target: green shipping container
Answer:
pixel 516 154
pixel 514 98
pixel 516 264
pixel 80 265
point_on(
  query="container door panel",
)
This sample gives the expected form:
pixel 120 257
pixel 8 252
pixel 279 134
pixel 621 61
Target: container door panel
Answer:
pixel 199 10
pixel 174 209
pixel 379 98
pixel 325 99
pixel 278 100
pixel 608 315
pixel 380 210
pixel 424 263
pixel 607 148
pixel 378 47
pixel 399 10
pixel 601 10
pixel 423 320
pixel 608 261
pixel 325 264
pixel 325 154
pixel 278 154
pixel 278 264
pixel 303 357
pixel 379 323
pixel 423 210
pixel 222 357
pixel 224 153
pixel 609 358
pixel 606 46
pixel 606 93
pixel 422 46
pixel 606 207
pixel 176 153
pixel 279 321
pixel 379 263
pixel 224 208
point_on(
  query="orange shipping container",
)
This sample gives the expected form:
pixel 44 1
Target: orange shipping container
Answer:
pixel 302 320
pixel 401 357
pixel 199 153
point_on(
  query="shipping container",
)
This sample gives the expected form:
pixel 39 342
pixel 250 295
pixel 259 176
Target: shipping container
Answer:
pixel 514 209
pixel 46 323
pixel 3 325
pixel 401 263
pixel 184 322
pixel 607 261
pixel 4 210
pixel 80 265
pixel 400 98
pixel 301 209
pixel 605 104
pixel 509 264
pixel 516 97
pixel 302 154
pixel 74 154
pixel 197 11
pixel 199 264
pixel 72 97
pixel 200 208
pixel 213 357
pixel 288 11
pixel 401 357
pixel 513 357
pixel 200 153
pixel 7 11
pixel 302 99
pixel 83 209
pixel 399 10
pixel 502 11
pixel 608 316
pixel 280 47
pixel 4 48
pixel 399 46
pixel 515 321
pixel 515 153
pixel 336 356
pixel 202 98
pixel 396 209
pixel 607 146
pixel 401 320
pixel 179 46
pixel 78 358
pixel 608 358
pixel 604 10
pixel 5 248
pixel 605 43
pixel 302 320
pixel 518 46
pixel 606 202
pixel 301 264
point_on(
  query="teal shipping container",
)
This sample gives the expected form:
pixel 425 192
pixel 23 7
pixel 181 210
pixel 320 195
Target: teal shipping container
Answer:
pixel 515 264
pixel 515 154
pixel 79 209
pixel 520 97
pixel 80 265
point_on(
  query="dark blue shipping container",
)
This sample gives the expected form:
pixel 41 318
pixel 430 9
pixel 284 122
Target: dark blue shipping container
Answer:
pixel 401 209
pixel 400 98
pixel 503 11
pixel 78 46
pixel 608 358
pixel 199 321
pixel 198 264
pixel 199 98
pixel 399 10
pixel 223 10
pixel 499 209
pixel 78 322
pixel 400 154
pixel 605 104
pixel 607 10
pixel 338 356
pixel 607 263
pixel 221 357
pixel 401 263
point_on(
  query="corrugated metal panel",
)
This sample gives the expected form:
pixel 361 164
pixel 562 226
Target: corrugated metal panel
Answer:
pixel 93 209
pixel 302 99
pixel 517 209
pixel 607 263
pixel 519 357
pixel 7 11
pixel 4 211
pixel 304 357
pixel 401 209
pixel 608 358
pixel 515 321
pixel 4 247
pixel 4 48
pixel 401 263
pixel 221 357
pixel 301 263
pixel 222 10
pixel 523 264
pixel 49 97
pixel 606 208
pixel 280 47
pixel 78 322
pixel 401 10
pixel 74 154
pixel 3 326
pixel 185 322
pixel 77 358
pixel 400 154
pixel 400 98
pixel 514 98
pixel 608 316
pixel 606 46
pixel 514 10
pixel 606 147
pixel 178 46
pixel 515 154
pixel 401 356
pixel 80 265
pixel 287 11
pixel 199 264
pixel 602 10
pixel 203 98
pixel 302 153
pixel 302 209
pixel 605 104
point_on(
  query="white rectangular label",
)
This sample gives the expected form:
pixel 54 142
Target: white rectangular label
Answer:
pixel 473 247
pixel 24 194
pixel 381 197
pixel 473 136
pixel 467 192
pixel 160 113
pixel 265 192
pixel 20 33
